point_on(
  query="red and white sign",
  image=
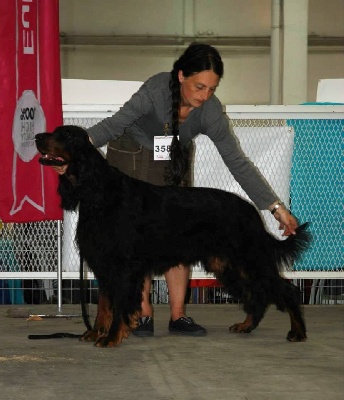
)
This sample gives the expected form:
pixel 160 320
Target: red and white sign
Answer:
pixel 30 102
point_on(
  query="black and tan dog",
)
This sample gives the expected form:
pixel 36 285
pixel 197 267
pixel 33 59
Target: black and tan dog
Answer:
pixel 128 230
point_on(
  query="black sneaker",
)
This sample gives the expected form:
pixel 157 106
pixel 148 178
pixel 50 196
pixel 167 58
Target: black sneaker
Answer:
pixel 186 326
pixel 145 327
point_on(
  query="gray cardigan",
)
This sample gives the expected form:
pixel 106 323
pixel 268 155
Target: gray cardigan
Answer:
pixel 149 110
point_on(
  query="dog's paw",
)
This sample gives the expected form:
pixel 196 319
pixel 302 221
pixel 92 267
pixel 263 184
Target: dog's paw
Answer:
pixel 294 336
pixel 105 341
pixel 89 336
pixel 133 321
pixel 241 328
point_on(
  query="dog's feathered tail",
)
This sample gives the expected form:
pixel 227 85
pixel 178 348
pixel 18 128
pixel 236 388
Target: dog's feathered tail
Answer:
pixel 289 250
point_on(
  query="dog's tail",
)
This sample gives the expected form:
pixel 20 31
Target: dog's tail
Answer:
pixel 291 249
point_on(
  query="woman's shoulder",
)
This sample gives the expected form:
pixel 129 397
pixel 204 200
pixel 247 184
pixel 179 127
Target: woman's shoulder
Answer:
pixel 213 104
pixel 211 114
pixel 158 81
pixel 212 109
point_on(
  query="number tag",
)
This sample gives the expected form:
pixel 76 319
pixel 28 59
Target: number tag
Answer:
pixel 162 145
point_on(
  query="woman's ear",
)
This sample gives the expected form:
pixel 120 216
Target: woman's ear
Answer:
pixel 180 76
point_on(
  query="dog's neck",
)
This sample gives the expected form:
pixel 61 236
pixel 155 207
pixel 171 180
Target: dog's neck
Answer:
pixel 72 178
pixel 71 174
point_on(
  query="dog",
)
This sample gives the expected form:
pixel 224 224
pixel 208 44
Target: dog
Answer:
pixel 128 230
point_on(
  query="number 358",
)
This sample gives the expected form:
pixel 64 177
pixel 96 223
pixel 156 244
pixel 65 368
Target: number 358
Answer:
pixel 162 148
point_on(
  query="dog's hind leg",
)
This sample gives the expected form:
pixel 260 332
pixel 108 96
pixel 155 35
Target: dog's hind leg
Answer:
pixel 238 284
pixel 252 320
pixel 289 300
pixel 243 327
pixel 256 302
pixel 132 302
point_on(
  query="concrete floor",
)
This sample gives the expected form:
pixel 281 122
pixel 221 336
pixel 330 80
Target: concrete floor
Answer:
pixel 261 365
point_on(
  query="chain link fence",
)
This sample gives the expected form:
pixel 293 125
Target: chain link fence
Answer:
pixel 298 153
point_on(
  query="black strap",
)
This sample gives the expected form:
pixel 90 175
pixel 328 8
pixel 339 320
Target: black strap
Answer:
pixel 58 335
pixel 83 296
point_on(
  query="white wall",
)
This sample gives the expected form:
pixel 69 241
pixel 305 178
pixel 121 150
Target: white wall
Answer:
pixel 247 68
pixel 246 79
pixel 153 17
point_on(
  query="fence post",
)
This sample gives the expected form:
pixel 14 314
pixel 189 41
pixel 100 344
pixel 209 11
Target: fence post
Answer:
pixel 59 267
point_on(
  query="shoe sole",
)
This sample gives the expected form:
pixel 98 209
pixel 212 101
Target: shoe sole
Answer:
pixel 143 334
pixel 185 333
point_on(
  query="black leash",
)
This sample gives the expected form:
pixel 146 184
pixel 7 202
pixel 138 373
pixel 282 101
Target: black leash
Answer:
pixel 58 335
pixel 85 316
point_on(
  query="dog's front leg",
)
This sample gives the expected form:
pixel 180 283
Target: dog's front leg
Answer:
pixel 114 335
pixel 103 320
pixel 113 340
pixel 126 307
pixel 118 330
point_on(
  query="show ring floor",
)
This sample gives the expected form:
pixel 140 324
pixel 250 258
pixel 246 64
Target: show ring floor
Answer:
pixel 261 365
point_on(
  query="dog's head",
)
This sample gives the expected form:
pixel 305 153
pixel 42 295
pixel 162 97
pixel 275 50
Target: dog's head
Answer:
pixel 63 146
pixel 86 167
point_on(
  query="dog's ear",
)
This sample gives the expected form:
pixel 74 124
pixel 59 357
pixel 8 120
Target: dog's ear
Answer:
pixel 74 141
pixel 71 135
pixel 69 193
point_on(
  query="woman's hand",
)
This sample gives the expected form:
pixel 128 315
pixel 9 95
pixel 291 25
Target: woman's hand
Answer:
pixel 60 170
pixel 287 221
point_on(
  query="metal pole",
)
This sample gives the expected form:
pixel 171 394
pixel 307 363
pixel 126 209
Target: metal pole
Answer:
pixel 59 281
pixel 295 51
pixel 59 267
pixel 275 55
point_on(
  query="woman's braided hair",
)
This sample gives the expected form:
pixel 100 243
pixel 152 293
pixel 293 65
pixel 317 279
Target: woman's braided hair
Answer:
pixel 196 58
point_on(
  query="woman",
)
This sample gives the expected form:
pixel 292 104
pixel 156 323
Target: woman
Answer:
pixel 180 104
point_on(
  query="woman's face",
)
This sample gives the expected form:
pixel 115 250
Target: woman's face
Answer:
pixel 197 88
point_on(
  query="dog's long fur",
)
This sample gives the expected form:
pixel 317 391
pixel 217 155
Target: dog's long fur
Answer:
pixel 129 229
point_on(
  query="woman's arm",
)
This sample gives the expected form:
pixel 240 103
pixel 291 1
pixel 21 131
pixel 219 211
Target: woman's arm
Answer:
pixel 246 173
pixel 113 127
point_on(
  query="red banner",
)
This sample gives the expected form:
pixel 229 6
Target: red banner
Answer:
pixel 30 102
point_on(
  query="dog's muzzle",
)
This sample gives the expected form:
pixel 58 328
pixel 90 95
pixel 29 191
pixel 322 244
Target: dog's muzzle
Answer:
pixel 46 158
pixel 51 161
